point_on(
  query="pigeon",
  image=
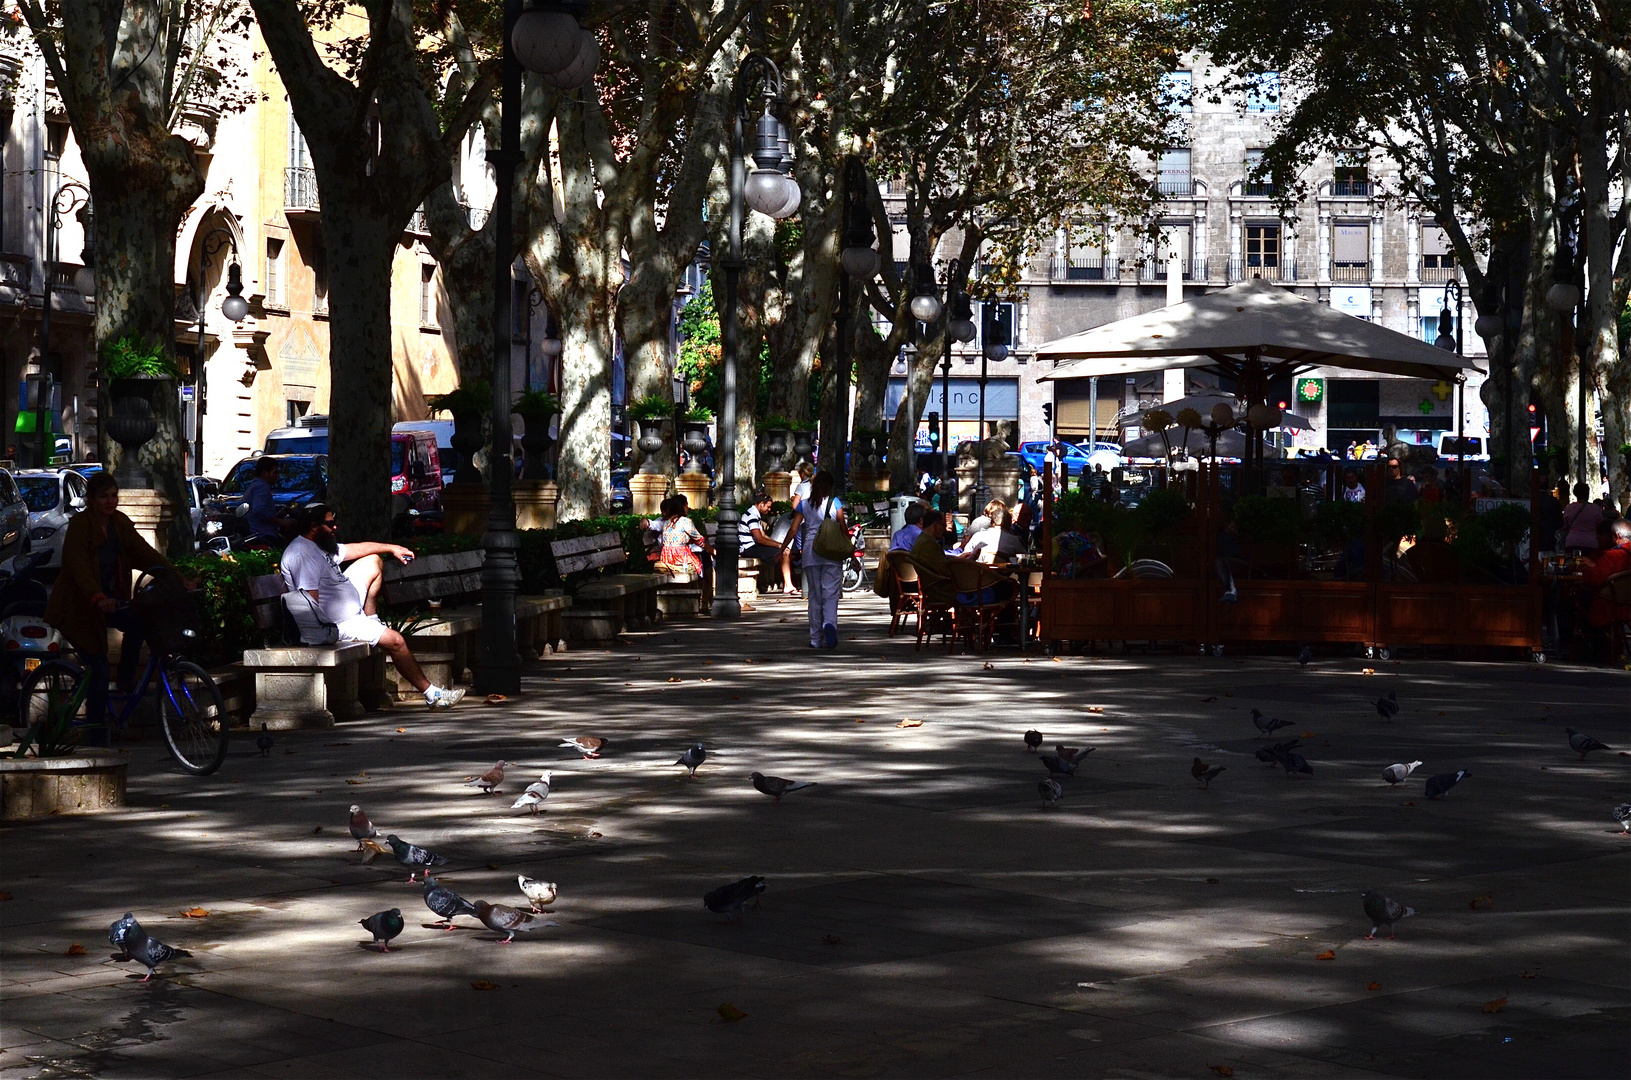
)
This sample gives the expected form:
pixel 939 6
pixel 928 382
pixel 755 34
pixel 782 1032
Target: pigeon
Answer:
pixel 537 791
pixel 1583 744
pixel 1050 791
pixel 410 856
pixel 1383 912
pixel 1395 774
pixel 264 742
pixel 1270 755
pixel 539 893
pixel 1073 753
pixel 1293 762
pixel 1387 707
pixel 384 925
pixel 732 897
pixel 1058 766
pixel 1305 656
pixel 134 944
pixel 776 787
pixel 1268 725
pixel 1196 770
pixel 589 746
pixel 361 828
pixel 1209 775
pixel 489 779
pixel 1622 814
pixel 692 758
pixel 1033 739
pixel 509 921
pixel 1438 785
pixel 445 902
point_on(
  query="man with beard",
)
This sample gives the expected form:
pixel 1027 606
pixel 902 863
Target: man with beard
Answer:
pixel 311 566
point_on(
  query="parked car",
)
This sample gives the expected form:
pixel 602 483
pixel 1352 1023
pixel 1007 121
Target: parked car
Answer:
pixel 200 490
pixel 1074 458
pixel 302 478
pixel 443 431
pixel 13 518
pixel 622 497
pixel 309 435
pixel 416 472
pixel 427 443
pixel 1104 455
pixel 53 496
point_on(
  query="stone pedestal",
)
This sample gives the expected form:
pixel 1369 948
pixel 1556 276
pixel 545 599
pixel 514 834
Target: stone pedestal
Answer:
pixel 779 485
pixel 694 486
pixel 151 512
pixel 648 491
pixel 1001 478
pixel 464 509
pixel 85 783
pixel 869 479
pixel 535 502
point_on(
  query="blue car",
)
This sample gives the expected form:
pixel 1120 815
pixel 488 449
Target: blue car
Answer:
pixel 1074 458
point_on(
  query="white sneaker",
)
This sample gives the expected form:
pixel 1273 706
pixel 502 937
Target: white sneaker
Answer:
pixel 438 697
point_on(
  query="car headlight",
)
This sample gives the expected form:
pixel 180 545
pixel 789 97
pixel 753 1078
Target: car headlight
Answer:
pixel 211 528
pixel 42 532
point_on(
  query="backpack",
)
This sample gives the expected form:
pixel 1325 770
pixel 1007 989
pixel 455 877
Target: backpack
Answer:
pixel 832 539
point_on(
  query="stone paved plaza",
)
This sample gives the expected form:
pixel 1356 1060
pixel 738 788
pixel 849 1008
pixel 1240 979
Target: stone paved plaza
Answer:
pixel 924 915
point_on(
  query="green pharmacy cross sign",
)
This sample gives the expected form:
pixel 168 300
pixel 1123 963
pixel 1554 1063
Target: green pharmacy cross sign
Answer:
pixel 1310 389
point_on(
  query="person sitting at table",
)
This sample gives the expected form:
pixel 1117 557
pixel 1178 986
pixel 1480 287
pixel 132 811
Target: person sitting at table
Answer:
pixel 1580 522
pixel 1352 490
pixel 929 552
pixel 996 540
pixel 1601 611
pixel 908 533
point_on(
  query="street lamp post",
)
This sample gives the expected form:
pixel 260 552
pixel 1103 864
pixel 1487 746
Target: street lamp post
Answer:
pixel 234 307
pixel 991 351
pixel 769 190
pixel 860 263
pixel 1450 316
pixel 69 196
pixel 549 41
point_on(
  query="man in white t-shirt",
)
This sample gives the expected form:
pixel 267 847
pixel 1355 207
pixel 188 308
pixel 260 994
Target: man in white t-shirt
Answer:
pixel 311 565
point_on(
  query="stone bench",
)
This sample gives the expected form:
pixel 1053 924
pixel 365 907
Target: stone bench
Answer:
pixel 604 607
pixel 301 685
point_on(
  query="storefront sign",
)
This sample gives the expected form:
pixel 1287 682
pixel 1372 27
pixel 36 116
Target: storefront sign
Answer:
pixel 1310 390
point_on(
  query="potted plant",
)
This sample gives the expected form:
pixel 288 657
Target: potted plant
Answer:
pixel 868 448
pixel 49 773
pixel 777 430
pixel 468 403
pixel 803 433
pixel 138 369
pixel 695 424
pixel 650 412
pixel 537 408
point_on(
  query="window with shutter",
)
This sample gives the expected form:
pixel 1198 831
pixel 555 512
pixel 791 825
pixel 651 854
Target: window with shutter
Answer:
pixel 1437 258
pixel 1350 252
pixel 1174 176
pixel 274 272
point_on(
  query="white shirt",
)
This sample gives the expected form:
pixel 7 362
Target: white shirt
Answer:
pixel 309 568
pixel 987 544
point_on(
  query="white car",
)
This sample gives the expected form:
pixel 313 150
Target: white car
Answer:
pixel 53 496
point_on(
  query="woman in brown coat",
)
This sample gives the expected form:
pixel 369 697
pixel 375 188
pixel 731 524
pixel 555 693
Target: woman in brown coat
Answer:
pixel 101 551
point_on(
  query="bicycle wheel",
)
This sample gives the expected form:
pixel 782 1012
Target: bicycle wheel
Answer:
pixel 854 574
pixel 46 692
pixel 194 717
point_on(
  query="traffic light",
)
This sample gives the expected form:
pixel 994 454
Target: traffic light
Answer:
pixel 1047 412
pixel 934 429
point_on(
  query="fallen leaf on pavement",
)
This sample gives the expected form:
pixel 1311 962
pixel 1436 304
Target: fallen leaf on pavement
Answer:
pixel 1328 954
pixel 1222 1070
pixel 483 984
pixel 675 678
pixel 353 781
pixel 910 723
pixel 1306 735
pixel 1058 660
pixel 705 663
pixel 1095 708
pixel 1528 974
pixel 401 731
pixel 707 678
pixel 495 699
pixel 492 866
pixel 1495 1006
pixel 75 949
pixel 730 1014
pixel 1374 986
pixel 5 896
pixel 194 913
pixel 1412 802
pixel 1214 697
pixel 316 828
pixel 988 666
pixel 860 721
pixel 1367 671
pixel 1485 899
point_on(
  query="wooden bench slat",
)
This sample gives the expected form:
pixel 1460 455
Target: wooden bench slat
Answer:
pixel 578 544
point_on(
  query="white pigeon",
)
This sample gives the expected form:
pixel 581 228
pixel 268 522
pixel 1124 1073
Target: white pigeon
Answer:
pixel 541 893
pixel 529 800
pixel 1395 774
pixel 540 786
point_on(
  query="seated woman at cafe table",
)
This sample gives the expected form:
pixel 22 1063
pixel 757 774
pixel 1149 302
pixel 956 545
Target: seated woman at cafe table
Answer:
pixel 996 540
pixel 1601 611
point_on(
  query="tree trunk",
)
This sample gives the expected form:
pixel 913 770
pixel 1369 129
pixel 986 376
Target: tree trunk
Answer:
pixel 838 361
pixel 465 256
pixel 1599 344
pixel 645 316
pixel 586 416
pixel 903 436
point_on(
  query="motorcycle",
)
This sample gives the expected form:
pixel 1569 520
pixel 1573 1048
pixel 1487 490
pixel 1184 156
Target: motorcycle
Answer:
pixel 26 639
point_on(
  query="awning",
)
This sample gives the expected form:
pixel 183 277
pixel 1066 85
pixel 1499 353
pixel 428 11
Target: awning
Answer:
pixel 1203 403
pixel 1226 330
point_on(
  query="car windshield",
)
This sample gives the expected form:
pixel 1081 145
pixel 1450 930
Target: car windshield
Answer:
pixel 399 451
pixel 294 475
pixel 304 444
pixel 40 492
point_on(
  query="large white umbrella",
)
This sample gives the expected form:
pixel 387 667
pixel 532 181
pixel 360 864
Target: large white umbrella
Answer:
pixel 1231 444
pixel 1238 328
pixel 1203 403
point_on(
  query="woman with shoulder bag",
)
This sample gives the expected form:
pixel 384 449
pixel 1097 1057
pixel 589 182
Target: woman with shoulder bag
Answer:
pixel 819 521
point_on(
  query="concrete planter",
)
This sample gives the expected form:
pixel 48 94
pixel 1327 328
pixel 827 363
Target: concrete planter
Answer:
pixel 89 782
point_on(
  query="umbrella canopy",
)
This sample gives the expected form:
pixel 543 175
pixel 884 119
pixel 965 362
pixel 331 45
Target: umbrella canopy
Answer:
pixel 1231 444
pixel 1203 403
pixel 1224 331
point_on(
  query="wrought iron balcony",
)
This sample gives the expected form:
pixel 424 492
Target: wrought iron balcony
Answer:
pixel 1255 266
pixel 300 191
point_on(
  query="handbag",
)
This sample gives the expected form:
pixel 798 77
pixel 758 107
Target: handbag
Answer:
pixel 832 539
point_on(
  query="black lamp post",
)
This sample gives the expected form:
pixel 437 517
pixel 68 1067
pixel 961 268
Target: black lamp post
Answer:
pixel 548 40
pixel 769 190
pixel 233 306
pixel 992 351
pixel 1449 317
pixel 70 195
pixel 860 263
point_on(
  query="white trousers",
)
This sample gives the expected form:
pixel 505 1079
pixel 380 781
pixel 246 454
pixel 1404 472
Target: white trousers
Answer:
pixel 823 581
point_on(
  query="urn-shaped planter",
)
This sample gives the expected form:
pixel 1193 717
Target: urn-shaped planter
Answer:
pixel 803 447
pixel 696 444
pixel 650 443
pixel 466 442
pixel 535 444
pixel 776 441
pixel 134 423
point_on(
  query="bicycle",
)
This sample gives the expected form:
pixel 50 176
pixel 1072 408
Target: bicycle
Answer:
pixel 192 712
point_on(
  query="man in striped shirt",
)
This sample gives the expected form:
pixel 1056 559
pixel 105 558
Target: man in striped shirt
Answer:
pixel 754 542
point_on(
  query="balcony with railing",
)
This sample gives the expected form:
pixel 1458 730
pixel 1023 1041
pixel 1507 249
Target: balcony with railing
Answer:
pixel 1438 273
pixel 1156 269
pixel 1350 272
pixel 1351 188
pixel 1175 183
pixel 1083 269
pixel 1264 190
pixel 417 223
pixel 1261 267
pixel 300 191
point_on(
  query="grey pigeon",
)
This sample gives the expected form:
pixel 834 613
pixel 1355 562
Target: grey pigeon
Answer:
pixel 1387 707
pixel 264 742
pixel 361 828
pixel 776 787
pixel 509 921
pixel 733 897
pixel 445 902
pixel 134 944
pixel 1270 755
pixel 490 779
pixel 537 791
pixel 1305 655
pixel 1058 766
pixel 1050 791
pixel 1268 725
pixel 1622 814
pixel 539 893
pixel 589 746
pixel 1383 912
pixel 1294 762
pixel 1209 775
pixel 1033 739
pixel 1073 753
pixel 692 758
pixel 1583 744
pixel 1438 785
pixel 384 925
pixel 1395 774
pixel 410 856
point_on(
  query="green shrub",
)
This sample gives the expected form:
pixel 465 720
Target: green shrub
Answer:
pixel 223 602
pixel 1268 520
pixel 1336 523
pixel 651 407
pixel 475 396
pixel 536 403
pixel 443 543
pixel 136 357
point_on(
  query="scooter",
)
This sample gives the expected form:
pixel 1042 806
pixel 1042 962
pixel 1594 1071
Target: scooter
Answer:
pixel 26 639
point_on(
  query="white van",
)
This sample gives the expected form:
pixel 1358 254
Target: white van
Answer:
pixel 1472 447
